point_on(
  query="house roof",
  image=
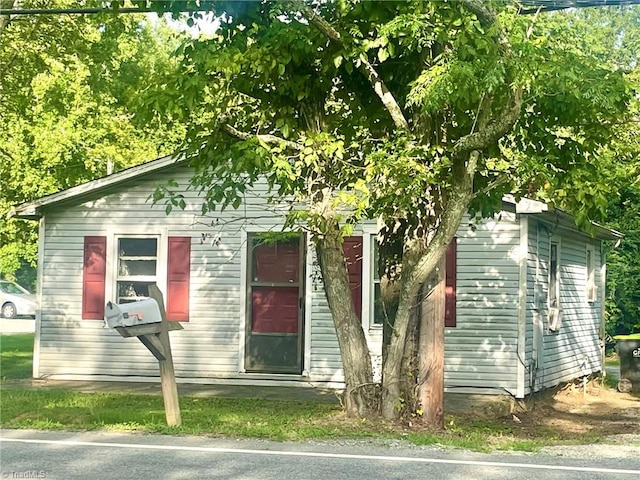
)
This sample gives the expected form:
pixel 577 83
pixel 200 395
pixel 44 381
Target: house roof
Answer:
pixel 33 209
pixel 556 218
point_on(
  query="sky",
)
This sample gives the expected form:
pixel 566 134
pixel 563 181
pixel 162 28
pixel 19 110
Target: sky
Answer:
pixel 203 27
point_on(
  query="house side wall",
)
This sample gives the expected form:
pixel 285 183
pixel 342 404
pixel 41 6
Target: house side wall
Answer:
pixel 574 350
pixel 533 324
pixel 210 345
pixel 481 352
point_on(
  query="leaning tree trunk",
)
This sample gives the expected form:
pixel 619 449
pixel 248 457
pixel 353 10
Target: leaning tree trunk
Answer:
pixel 420 258
pixel 359 397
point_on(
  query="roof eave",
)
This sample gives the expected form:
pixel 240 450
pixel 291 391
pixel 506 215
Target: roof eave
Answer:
pixel 33 210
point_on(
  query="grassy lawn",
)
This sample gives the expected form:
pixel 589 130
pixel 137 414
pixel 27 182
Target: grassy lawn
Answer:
pixel 52 409
pixel 16 356
pixel 49 408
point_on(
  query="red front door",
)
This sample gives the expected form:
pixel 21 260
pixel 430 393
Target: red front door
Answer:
pixel 275 286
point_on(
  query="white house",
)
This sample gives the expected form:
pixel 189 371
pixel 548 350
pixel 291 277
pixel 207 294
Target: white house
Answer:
pixel 524 307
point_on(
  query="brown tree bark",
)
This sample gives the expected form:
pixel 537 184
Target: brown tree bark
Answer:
pixel 359 396
pixel 420 257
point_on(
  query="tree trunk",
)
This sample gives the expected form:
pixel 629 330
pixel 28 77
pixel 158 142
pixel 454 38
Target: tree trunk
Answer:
pixel 419 259
pixel 359 397
pixel 431 353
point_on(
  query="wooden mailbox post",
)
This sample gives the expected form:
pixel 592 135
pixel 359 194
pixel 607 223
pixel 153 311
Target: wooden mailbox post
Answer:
pixel 155 336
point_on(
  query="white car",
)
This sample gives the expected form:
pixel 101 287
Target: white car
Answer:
pixel 16 301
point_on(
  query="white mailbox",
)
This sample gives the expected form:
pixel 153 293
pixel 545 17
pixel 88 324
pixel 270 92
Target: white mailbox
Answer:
pixel 130 314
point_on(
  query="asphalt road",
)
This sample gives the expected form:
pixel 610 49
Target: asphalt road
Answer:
pixel 82 455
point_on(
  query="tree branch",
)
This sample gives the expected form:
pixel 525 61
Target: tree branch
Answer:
pixel 6 153
pixel 266 138
pixel 486 16
pixel 494 130
pixel 385 95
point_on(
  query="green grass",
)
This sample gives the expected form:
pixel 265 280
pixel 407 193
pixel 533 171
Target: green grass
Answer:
pixel 49 408
pixel 54 409
pixel 16 356
pixel 633 336
pixel 63 409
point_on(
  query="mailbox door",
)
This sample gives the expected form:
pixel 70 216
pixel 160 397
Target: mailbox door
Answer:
pixel 274 336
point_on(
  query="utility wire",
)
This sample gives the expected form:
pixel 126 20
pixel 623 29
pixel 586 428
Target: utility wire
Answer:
pixel 530 6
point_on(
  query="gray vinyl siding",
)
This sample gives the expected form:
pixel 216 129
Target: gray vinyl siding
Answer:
pixel 481 351
pixel 536 280
pixel 209 345
pixel 532 275
pixel 573 351
pixel 325 352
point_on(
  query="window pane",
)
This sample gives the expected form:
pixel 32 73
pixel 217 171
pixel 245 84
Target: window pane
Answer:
pixel 553 276
pixel 378 308
pixel 128 268
pixel 376 261
pixel 138 247
pixel 133 291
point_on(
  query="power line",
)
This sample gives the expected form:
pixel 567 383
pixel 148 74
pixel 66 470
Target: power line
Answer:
pixel 88 11
pixel 529 6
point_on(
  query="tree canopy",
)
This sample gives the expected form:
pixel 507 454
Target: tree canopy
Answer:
pixel 70 87
pixel 412 112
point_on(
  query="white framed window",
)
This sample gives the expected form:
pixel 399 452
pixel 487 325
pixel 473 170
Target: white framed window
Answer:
pixel 555 308
pixel 376 306
pixel 591 288
pixel 137 266
pixel 554 274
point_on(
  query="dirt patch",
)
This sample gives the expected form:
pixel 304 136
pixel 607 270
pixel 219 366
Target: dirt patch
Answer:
pixel 573 413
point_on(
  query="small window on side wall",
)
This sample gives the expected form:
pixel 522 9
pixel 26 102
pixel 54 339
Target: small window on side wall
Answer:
pixel 555 308
pixel 592 289
pixel 554 276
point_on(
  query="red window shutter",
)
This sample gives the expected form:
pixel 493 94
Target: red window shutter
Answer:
pixel 352 248
pixel 450 284
pixel 178 275
pixel 94 272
